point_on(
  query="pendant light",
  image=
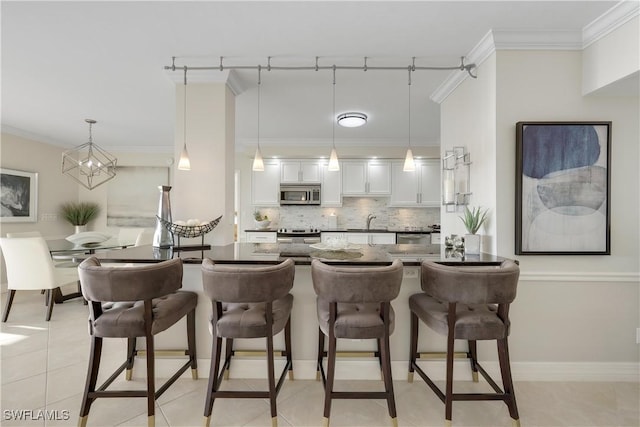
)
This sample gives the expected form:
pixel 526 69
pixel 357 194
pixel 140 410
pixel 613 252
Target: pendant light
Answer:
pixel 409 163
pixel 334 165
pixel 184 164
pixel 88 164
pixel 258 163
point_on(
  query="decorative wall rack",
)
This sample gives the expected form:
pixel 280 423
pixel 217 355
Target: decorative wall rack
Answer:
pixel 364 67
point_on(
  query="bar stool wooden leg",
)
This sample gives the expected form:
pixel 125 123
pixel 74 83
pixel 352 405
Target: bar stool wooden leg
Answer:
pixel 270 368
pixel 473 359
pixel 320 354
pixel 507 382
pixel 449 376
pixel 388 382
pixel 131 352
pixel 287 346
pixel 92 378
pixel 228 349
pixel 151 374
pixel 191 343
pixel 413 348
pixel 216 346
pixel 331 365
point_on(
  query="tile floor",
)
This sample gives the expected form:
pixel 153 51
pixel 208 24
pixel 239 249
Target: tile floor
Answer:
pixel 44 366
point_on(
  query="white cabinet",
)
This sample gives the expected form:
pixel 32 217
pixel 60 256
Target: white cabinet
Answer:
pixel 418 188
pixel 326 236
pixel 366 178
pixel 265 185
pixel 293 171
pixel 371 238
pixel 331 191
pixel 261 236
pixel 359 238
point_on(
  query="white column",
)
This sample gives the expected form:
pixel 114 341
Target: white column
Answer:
pixel 207 190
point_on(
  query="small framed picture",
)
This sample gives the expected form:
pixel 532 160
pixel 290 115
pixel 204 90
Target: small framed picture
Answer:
pixel 19 196
pixel 563 185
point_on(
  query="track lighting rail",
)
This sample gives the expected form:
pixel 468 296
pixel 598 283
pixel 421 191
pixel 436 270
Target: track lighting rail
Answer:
pixel 412 67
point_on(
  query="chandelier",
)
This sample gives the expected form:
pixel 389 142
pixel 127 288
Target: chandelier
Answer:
pixel 88 164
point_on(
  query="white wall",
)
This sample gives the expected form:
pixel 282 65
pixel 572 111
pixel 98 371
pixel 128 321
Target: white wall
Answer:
pixel 468 119
pixel 612 57
pixel 578 312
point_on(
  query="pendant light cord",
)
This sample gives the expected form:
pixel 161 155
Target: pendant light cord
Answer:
pixel 333 118
pixel 409 68
pixel 184 113
pixel 259 90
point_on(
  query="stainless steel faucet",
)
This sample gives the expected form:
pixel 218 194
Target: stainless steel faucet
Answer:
pixel 370 218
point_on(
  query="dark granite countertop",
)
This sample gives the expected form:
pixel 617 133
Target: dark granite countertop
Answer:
pixel 272 253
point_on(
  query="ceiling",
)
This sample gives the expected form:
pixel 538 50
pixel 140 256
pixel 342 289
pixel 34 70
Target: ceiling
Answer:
pixel 63 62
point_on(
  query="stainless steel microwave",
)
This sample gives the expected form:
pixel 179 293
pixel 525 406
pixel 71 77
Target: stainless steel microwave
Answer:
pixel 300 194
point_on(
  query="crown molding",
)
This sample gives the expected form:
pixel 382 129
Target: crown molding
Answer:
pixel 230 77
pixel 609 21
pixel 477 55
pixel 10 130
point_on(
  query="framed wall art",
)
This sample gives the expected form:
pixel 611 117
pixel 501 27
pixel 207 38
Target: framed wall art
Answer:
pixel 132 197
pixel 18 196
pixel 563 188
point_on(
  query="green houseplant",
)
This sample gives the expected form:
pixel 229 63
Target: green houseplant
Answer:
pixel 261 221
pixel 473 219
pixel 79 214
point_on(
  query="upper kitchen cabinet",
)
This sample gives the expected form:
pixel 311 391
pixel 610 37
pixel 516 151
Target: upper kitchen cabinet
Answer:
pixel 366 178
pixel 331 191
pixel 418 188
pixel 293 171
pixel 265 185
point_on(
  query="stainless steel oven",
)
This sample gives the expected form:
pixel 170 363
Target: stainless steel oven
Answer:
pixel 300 194
pixel 286 235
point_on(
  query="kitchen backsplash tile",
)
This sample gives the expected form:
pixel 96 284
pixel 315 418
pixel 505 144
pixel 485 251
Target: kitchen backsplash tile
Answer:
pixel 352 214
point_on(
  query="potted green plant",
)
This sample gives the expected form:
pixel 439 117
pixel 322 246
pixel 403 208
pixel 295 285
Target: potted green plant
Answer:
pixel 473 220
pixel 80 213
pixel 261 221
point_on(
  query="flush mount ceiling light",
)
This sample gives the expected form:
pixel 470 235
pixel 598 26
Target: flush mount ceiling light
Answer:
pixel 89 164
pixel 352 119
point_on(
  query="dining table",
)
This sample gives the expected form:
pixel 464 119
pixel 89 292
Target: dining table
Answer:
pixel 59 248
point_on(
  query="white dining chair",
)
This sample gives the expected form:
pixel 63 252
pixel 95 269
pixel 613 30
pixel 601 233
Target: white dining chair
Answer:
pixel 29 267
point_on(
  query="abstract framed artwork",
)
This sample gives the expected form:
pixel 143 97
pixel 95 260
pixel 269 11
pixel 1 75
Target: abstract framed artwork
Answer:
pixel 563 188
pixel 18 196
pixel 132 197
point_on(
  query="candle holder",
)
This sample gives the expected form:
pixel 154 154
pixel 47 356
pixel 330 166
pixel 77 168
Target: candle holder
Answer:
pixel 456 178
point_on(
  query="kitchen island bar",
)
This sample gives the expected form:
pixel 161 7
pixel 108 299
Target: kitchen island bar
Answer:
pixel 304 326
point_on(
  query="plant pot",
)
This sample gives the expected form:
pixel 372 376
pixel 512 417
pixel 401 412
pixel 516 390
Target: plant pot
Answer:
pixel 261 225
pixel 472 244
pixel 81 228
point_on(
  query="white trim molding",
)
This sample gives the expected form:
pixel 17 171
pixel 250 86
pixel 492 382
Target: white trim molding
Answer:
pixel 609 21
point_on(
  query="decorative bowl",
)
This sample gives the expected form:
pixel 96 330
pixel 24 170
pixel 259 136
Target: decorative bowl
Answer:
pixel 88 238
pixel 189 230
pixel 261 225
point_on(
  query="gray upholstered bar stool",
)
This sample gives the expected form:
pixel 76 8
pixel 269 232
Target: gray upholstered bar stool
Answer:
pixel 468 303
pixel 248 302
pixel 131 302
pixel 355 303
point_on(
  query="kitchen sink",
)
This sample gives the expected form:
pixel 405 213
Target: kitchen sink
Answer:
pixel 371 230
